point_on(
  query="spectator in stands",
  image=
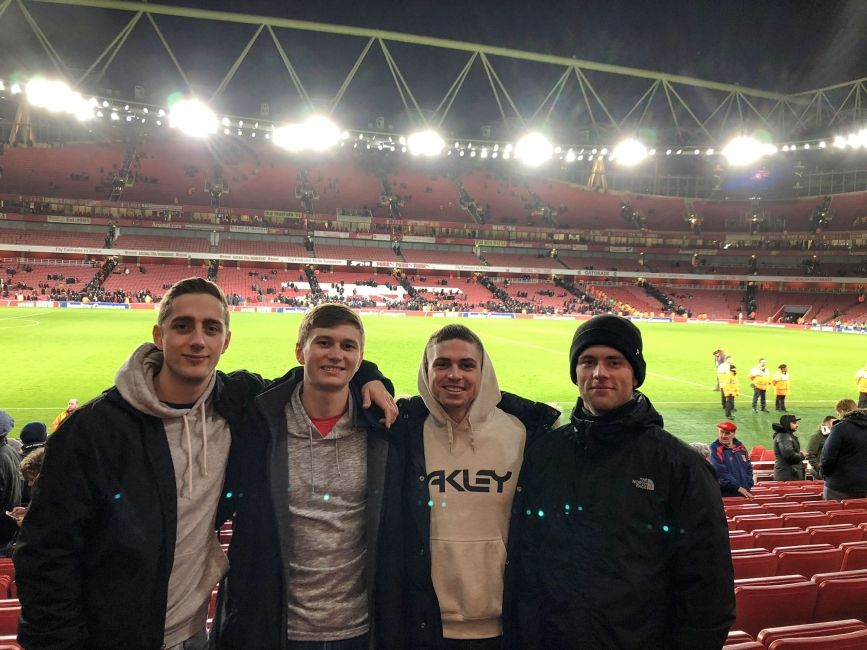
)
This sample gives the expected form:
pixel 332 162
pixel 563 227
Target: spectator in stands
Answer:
pixel 308 573
pixel 844 407
pixel 70 407
pixel 844 457
pixel 33 436
pixel 816 443
pixel 731 460
pixel 460 425
pixel 132 488
pixel 780 382
pixel 730 390
pixel 701 448
pixel 861 382
pixel 621 538
pixel 722 371
pixel 10 479
pixel 760 380
pixel 788 458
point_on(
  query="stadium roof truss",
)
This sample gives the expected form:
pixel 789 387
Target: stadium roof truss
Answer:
pixel 584 102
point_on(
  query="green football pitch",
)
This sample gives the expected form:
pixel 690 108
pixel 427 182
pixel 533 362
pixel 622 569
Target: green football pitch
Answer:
pixel 50 355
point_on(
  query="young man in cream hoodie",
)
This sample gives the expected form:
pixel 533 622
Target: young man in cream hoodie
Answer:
pixel 119 548
pixel 466 443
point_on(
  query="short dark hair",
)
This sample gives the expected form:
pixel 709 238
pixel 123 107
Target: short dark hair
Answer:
pixel 187 286
pixel 456 331
pixel 329 314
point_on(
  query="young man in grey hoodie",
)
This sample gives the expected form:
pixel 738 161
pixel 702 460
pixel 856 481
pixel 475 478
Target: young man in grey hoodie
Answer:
pixel 119 548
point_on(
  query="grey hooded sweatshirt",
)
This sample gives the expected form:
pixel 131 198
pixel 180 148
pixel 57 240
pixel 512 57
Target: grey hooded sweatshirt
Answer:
pixel 199 440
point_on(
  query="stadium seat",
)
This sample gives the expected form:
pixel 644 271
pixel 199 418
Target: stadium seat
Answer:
pixel 773 537
pixel 802 497
pixel 805 519
pixel 772 580
pixel 835 534
pixel 743 509
pixel 740 542
pixel 754 565
pixel 827 628
pixel 738 636
pixel 851 641
pixel 841 598
pixel 819 578
pixel 746 645
pixel 854 503
pixel 761 606
pixel 852 516
pixel 7 568
pixel 765 499
pixel 9 618
pixel 808 561
pixel 822 505
pixel 751 522
pixel 757 451
pixel 854 555
pixel 783 508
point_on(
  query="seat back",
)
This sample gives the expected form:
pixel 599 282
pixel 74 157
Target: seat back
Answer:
pixel 772 538
pixel 823 505
pixel 805 519
pixel 854 557
pixel 841 598
pixel 851 641
pixel 761 606
pixel 819 578
pixel 757 451
pixel 755 565
pixel 783 508
pixel 772 580
pixel 835 534
pixel 852 516
pixel 855 503
pixel 750 522
pixel 808 562
pixel 767 636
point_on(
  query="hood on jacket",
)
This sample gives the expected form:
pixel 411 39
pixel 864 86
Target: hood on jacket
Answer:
pixel 857 417
pixel 135 383
pixel 484 403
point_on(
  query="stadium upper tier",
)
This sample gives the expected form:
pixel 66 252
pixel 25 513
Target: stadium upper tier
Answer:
pixel 229 175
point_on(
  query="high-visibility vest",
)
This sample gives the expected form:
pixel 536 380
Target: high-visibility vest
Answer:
pixel 781 382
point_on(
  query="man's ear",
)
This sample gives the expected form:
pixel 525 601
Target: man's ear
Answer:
pixel 299 353
pixel 228 338
pixel 157 334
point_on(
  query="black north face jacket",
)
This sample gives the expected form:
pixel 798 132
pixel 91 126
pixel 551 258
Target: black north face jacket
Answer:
pixel 621 539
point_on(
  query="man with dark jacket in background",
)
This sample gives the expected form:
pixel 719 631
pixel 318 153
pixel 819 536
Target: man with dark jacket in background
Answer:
pixel 844 458
pixel 10 480
pixel 622 539
pixel 788 457
pixel 466 442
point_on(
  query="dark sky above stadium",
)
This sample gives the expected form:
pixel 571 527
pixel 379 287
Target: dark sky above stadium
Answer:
pixel 783 45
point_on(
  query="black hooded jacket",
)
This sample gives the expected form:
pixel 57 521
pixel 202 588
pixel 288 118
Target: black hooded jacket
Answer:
pixel 621 539
pixel 844 456
pixel 788 459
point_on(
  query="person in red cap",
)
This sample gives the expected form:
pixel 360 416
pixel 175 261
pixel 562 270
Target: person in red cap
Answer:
pixel 731 460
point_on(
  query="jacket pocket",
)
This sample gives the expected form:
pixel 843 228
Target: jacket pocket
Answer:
pixel 468 578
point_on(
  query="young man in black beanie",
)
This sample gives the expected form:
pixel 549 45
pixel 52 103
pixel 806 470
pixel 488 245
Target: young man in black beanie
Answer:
pixel 621 536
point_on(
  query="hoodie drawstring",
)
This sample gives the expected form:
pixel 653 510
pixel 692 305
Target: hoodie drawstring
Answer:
pixel 204 439
pixel 312 473
pixel 189 440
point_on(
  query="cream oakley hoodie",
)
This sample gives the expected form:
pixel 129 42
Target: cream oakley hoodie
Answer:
pixel 199 440
pixel 472 469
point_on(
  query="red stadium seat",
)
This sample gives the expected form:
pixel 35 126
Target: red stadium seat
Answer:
pixel 767 636
pixel 7 568
pixel 9 618
pixel 755 565
pixel 743 509
pixel 765 499
pixel 749 551
pixel 783 508
pixel 841 598
pixel 761 606
pixel 738 636
pixel 746 645
pixel 854 555
pixel 740 542
pixel 823 505
pixel 850 641
pixel 757 451
pixel 772 580
pixel 835 534
pixel 819 578
pixel 750 522
pixel 773 537
pixel 860 504
pixel 852 516
pixel 808 562
pixel 805 519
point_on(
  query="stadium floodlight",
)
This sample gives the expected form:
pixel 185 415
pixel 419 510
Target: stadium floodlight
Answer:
pixel 630 152
pixel 840 142
pixel 570 155
pixel 425 143
pixel 317 133
pixel 534 149
pixel 745 150
pixel 193 117
pixel 15 89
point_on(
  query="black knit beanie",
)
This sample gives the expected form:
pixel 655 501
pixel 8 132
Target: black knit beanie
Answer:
pixel 615 332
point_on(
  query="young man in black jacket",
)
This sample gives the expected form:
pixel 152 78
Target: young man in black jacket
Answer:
pixel 321 478
pixel 119 548
pixel 465 441
pixel 622 540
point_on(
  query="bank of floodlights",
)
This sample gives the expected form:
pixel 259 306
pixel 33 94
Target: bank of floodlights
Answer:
pixel 192 117
pixel 629 153
pixel 58 97
pixel 745 150
pixel 534 149
pixel 425 143
pixel 316 133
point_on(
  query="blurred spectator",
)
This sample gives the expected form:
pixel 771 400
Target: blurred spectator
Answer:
pixel 817 442
pixel 10 479
pixel 731 460
pixel 70 407
pixel 33 436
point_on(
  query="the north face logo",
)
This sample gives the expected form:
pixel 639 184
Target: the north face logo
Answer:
pixel 644 484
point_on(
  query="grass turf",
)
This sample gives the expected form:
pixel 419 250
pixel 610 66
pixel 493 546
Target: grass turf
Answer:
pixel 52 355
